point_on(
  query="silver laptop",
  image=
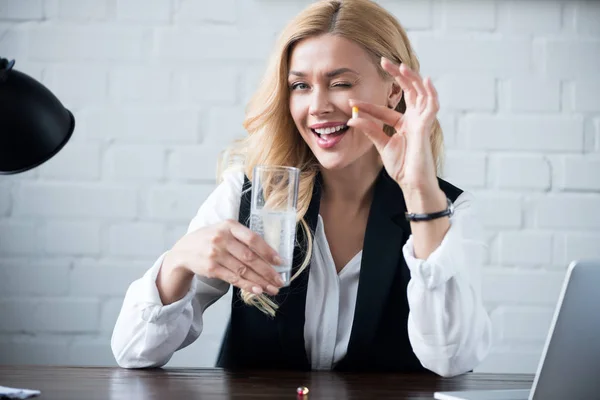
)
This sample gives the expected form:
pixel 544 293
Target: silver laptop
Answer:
pixel 570 364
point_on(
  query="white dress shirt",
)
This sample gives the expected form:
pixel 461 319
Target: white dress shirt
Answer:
pixel 448 327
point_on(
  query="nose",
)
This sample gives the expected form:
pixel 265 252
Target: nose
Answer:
pixel 320 103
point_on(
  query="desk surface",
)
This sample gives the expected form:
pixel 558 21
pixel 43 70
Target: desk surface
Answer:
pixel 69 383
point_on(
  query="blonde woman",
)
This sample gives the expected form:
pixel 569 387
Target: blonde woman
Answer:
pixel 389 249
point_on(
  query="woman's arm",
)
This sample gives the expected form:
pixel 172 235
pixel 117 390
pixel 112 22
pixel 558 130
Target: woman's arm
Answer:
pixel 148 332
pixel 448 326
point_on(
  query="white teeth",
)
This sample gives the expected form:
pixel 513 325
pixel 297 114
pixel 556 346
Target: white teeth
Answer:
pixel 327 131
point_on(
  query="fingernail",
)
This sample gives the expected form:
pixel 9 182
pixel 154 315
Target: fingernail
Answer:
pixel 354 112
pixel 277 260
pixel 272 289
pixel 256 290
pixel 279 281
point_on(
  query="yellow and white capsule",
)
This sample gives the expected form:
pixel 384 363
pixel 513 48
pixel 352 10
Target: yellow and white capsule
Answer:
pixel 354 112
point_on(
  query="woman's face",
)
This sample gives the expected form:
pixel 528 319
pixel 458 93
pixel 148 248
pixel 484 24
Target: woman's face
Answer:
pixel 325 72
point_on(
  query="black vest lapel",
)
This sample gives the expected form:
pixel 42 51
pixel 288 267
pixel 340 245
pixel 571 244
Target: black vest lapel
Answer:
pixel 386 232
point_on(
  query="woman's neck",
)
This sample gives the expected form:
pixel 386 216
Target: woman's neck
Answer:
pixel 352 185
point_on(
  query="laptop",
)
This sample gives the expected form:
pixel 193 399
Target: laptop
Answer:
pixel 570 364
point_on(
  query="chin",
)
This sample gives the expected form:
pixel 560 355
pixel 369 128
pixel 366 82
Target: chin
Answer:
pixel 333 161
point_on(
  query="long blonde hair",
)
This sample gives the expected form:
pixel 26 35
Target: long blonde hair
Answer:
pixel 273 138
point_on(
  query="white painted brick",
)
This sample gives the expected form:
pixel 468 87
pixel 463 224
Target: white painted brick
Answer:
pixel 94 43
pixel 177 44
pixel 532 94
pixel 587 17
pixel 77 85
pixel 270 16
pixel 533 17
pixel 91 352
pixel 82 10
pixel 586 97
pixel 34 351
pixel 175 203
pixel 19 237
pixel 5 198
pixel 21 9
pixel 75 161
pixel 196 11
pixel 174 233
pixel 507 361
pixel 105 278
pixel 478 54
pixel 251 78
pixel 109 314
pixel 503 285
pixel 144 10
pixel 75 200
pixel 580 173
pixel 465 169
pixel 525 248
pixel 411 14
pixel 470 92
pixel 127 162
pixel 467 14
pixel 13 42
pixel 448 123
pixel 50 315
pixel 140 85
pixel 197 163
pixel 212 85
pixel 144 126
pixel 136 239
pixel 518 133
pixel 71 238
pixel 572 59
pixel 522 323
pixel 499 210
pixel 521 172
pixel 225 125
pixel 34 278
pixel 564 211
pixel 34 70
pixel 581 246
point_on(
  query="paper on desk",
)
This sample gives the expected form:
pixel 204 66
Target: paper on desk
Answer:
pixel 12 393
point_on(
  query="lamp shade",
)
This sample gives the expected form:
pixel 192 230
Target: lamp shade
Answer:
pixel 34 125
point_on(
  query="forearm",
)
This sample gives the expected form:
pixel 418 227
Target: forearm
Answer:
pixel 173 280
pixel 427 235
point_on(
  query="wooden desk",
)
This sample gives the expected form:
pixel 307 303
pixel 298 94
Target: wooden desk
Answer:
pixel 68 383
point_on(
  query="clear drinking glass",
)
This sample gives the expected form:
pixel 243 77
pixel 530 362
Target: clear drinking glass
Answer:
pixel 273 211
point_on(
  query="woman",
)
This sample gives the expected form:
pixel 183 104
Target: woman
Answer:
pixel 384 267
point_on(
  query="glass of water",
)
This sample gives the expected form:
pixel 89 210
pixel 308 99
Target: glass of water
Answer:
pixel 273 211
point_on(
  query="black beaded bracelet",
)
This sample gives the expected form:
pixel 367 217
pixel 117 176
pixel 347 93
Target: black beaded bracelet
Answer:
pixel 449 211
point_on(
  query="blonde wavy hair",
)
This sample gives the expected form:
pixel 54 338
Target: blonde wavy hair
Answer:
pixel 273 138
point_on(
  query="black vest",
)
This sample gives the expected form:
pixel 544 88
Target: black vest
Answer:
pixel 379 337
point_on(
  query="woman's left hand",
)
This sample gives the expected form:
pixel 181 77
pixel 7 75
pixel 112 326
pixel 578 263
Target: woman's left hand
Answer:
pixel 407 155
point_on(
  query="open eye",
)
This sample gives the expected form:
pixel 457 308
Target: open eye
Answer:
pixel 299 85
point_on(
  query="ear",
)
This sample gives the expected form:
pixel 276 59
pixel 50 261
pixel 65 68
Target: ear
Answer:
pixel 394 94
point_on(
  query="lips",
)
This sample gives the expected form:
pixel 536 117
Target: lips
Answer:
pixel 328 140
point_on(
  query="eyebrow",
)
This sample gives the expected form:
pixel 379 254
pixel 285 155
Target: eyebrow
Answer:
pixel 329 74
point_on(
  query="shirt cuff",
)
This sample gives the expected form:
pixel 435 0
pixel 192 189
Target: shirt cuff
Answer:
pixel 441 265
pixel 153 310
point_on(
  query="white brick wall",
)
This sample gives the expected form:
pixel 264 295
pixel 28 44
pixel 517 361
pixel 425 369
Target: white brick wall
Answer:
pixel 159 87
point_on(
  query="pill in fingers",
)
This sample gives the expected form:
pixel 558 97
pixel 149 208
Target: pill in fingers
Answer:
pixel 354 112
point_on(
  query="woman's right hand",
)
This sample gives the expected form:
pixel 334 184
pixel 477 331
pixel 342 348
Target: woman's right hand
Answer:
pixel 228 251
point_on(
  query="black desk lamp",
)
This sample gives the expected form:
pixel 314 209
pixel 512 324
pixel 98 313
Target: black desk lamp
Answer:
pixel 34 125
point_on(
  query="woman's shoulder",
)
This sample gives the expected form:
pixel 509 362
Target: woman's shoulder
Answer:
pixel 222 203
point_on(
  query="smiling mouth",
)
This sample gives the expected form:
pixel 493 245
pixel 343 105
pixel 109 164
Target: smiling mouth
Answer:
pixel 330 132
